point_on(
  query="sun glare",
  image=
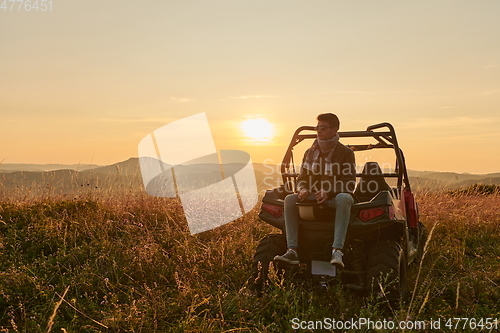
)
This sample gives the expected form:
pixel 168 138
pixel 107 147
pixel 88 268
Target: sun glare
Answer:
pixel 258 129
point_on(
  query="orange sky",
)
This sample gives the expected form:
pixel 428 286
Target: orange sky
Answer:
pixel 87 81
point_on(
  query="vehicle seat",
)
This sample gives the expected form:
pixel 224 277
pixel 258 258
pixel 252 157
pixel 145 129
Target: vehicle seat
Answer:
pixel 371 182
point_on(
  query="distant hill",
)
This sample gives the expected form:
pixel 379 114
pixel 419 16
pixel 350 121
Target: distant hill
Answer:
pixel 127 175
pixel 485 181
pixel 451 177
pixel 5 167
pixel 123 175
pixel 434 179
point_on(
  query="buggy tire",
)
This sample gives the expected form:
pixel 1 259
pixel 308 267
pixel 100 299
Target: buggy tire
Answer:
pixel 386 269
pixel 269 247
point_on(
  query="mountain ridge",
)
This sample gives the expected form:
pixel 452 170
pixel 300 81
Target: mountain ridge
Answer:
pixel 128 173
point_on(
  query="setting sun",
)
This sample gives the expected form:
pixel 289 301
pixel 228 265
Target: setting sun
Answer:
pixel 258 129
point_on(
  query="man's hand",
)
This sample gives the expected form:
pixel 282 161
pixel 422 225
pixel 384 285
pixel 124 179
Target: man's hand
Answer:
pixel 321 196
pixel 303 193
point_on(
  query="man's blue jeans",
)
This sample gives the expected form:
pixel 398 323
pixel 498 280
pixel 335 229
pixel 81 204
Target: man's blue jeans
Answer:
pixel 342 202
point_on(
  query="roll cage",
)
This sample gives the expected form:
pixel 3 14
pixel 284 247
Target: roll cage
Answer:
pixel 385 137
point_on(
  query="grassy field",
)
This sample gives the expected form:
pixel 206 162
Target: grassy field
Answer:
pixel 126 263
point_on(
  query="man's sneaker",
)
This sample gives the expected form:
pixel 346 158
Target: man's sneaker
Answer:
pixel 337 258
pixel 291 256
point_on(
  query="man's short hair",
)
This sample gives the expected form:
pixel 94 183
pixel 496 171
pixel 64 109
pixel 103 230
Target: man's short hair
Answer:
pixel 330 118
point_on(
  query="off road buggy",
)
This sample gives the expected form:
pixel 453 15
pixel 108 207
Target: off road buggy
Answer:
pixel 384 235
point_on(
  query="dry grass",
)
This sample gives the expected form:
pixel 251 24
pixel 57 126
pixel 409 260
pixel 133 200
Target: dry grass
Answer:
pixel 131 266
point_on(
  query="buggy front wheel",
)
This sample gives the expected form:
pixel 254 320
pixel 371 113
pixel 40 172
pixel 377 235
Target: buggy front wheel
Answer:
pixel 269 247
pixel 386 271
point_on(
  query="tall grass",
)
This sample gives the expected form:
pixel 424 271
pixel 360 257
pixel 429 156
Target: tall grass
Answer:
pixel 121 261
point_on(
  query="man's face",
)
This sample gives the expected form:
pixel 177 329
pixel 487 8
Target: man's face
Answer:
pixel 325 131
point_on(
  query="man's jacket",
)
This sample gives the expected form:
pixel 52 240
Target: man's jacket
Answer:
pixel 334 172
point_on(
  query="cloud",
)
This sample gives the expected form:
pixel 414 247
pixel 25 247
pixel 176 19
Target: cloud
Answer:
pixel 470 136
pixel 388 92
pixel 448 107
pixel 455 122
pixel 490 92
pixel 491 66
pixel 250 96
pixel 359 92
pixel 376 92
pixel 182 99
pixel 139 120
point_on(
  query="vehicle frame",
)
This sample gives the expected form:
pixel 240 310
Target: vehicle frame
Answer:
pixel 385 222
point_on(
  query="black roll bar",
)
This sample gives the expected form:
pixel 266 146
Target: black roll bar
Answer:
pixel 386 139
